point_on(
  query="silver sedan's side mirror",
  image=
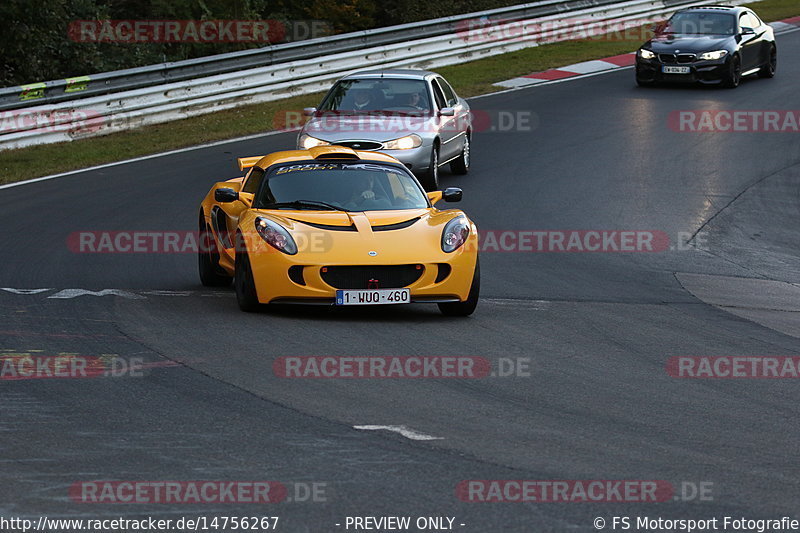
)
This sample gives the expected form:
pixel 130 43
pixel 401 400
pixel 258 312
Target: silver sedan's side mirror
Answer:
pixel 447 112
pixel 309 111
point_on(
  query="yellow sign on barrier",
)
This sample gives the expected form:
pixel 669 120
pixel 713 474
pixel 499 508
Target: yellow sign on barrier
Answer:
pixel 75 85
pixel 32 91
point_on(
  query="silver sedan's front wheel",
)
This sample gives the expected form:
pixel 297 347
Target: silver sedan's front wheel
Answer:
pixel 430 180
pixel 461 164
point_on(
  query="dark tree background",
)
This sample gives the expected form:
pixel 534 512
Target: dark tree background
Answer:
pixel 35 45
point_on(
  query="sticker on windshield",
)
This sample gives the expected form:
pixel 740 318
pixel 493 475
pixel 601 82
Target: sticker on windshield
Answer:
pixel 307 166
pixel 333 166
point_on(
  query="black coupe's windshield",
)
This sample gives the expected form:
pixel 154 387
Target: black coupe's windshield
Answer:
pixel 381 95
pixel 701 23
pixel 343 186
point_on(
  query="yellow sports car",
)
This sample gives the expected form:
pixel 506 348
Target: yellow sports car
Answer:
pixel 335 226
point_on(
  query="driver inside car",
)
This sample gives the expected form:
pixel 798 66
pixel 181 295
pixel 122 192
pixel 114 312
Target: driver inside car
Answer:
pixel 365 191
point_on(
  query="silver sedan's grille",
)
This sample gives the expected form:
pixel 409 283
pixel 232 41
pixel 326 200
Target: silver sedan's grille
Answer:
pixel 360 145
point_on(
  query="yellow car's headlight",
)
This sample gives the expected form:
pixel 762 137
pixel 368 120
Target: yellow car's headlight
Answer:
pixel 403 143
pixel 711 56
pixel 455 234
pixel 276 236
pixel 307 141
pixel 646 54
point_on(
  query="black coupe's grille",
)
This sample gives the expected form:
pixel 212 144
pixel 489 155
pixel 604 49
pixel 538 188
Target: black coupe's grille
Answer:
pixel 361 277
pixel 360 145
pixel 676 58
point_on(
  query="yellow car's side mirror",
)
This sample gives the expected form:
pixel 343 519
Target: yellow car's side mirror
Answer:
pixel 435 196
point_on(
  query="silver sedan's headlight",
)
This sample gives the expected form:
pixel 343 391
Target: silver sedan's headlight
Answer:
pixel 276 235
pixel 455 234
pixel 307 141
pixel 646 54
pixel 711 56
pixel 403 143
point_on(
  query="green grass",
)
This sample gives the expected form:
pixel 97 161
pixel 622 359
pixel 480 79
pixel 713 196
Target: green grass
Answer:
pixel 469 79
pixel 772 10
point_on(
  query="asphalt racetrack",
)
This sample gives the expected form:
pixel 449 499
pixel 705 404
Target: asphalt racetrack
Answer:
pixel 595 329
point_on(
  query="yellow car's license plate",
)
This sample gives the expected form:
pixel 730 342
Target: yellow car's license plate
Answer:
pixel 373 296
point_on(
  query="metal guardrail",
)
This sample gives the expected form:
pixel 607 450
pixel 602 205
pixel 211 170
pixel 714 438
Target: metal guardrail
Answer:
pixel 51 92
pixel 119 111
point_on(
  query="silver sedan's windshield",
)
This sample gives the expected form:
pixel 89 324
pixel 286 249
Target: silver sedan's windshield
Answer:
pixel 340 186
pixel 378 95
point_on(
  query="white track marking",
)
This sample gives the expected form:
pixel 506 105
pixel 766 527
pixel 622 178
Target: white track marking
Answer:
pixel 403 430
pixel 586 67
pixel 24 291
pixel 74 293
pixel 135 294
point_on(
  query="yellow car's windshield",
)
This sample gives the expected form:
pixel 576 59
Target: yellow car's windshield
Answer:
pixel 356 186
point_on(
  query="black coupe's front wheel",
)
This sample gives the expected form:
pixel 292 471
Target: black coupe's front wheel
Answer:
pixel 768 70
pixel 467 307
pixel 735 73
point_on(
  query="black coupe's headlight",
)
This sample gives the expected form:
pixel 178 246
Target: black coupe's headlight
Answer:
pixel 455 234
pixel 646 54
pixel 712 56
pixel 276 236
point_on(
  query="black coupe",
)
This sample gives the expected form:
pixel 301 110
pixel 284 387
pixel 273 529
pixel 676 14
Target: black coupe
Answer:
pixel 710 45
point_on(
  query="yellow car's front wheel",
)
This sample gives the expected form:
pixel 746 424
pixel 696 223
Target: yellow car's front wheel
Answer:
pixel 467 307
pixel 245 286
pixel 211 274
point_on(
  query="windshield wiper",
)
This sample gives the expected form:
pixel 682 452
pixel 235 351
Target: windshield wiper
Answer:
pixel 305 203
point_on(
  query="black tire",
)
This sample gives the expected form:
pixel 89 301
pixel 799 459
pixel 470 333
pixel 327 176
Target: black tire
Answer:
pixel 461 164
pixel 245 286
pixel 211 274
pixel 467 307
pixel 430 180
pixel 643 83
pixel 768 70
pixel 735 75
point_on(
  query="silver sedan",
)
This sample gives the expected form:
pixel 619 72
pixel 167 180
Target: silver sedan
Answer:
pixel 413 115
